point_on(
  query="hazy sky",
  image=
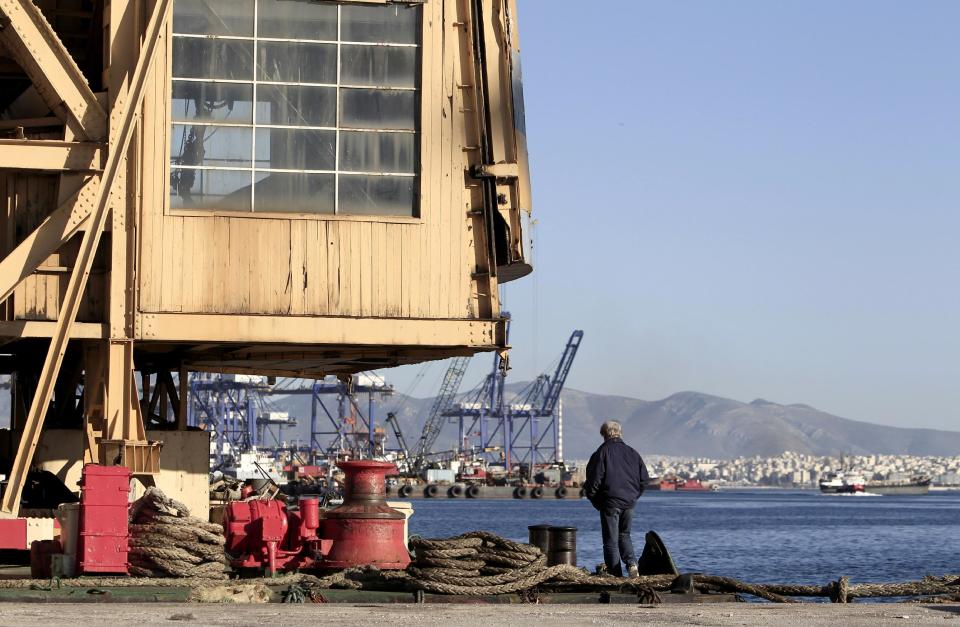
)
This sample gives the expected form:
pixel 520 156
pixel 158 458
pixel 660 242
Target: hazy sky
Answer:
pixel 749 198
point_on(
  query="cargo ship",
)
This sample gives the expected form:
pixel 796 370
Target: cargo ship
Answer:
pixel 843 483
pixel 674 484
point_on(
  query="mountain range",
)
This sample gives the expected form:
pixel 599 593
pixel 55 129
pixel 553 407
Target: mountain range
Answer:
pixel 689 424
pixel 686 424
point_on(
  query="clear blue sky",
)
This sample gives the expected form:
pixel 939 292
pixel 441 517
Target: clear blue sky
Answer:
pixel 750 199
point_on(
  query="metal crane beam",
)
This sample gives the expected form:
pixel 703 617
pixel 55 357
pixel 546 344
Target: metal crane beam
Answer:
pixel 448 390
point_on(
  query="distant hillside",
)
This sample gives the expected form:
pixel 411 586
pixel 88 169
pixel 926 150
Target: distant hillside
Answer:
pixel 684 424
pixel 695 424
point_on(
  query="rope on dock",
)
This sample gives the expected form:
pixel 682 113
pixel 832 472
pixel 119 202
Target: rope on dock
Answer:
pixel 166 541
pixel 514 567
pixel 504 567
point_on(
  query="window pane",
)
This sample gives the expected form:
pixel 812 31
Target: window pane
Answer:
pixel 382 24
pixel 373 108
pixel 297 20
pixel 222 146
pixel 297 193
pixel 213 17
pixel 378 66
pixel 296 149
pixel 212 101
pixel 377 195
pixel 378 152
pixel 297 63
pixel 209 189
pixel 212 58
pixel 296 106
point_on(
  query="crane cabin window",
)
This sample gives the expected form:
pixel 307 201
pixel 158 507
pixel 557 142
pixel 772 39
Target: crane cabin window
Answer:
pixel 295 106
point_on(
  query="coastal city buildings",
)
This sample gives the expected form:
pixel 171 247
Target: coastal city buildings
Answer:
pixel 798 470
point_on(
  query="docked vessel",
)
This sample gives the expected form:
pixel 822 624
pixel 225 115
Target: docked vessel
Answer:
pixel 851 483
pixel 675 484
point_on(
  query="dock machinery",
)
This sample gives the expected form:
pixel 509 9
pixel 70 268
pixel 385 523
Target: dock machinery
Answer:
pixel 264 187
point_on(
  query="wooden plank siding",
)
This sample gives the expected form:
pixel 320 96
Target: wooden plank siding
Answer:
pixel 26 199
pixel 320 266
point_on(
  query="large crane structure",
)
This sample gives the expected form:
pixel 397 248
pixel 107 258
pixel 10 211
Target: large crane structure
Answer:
pixel 535 414
pixel 524 430
pixel 449 386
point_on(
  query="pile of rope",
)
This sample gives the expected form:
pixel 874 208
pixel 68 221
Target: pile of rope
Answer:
pixel 166 541
pixel 482 563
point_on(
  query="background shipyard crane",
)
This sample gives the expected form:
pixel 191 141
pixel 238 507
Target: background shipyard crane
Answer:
pixel 435 419
pixel 525 430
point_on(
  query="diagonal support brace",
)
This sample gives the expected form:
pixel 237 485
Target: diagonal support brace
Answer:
pixel 122 133
pixel 52 233
pixel 31 40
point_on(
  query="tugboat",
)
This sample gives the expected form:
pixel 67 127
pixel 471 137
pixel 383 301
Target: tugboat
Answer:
pixel 842 483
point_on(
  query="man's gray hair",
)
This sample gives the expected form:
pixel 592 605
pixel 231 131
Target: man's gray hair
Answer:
pixel 610 429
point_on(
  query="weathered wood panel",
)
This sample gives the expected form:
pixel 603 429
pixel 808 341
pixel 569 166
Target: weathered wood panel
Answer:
pixel 244 264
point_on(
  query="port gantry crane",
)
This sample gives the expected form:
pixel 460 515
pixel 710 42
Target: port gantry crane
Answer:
pixel 515 432
pixel 542 401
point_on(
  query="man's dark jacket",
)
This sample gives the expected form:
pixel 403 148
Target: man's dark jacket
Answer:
pixel 616 475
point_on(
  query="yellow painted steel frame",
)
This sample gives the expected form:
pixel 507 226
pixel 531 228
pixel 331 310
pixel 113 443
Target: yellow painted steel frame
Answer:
pixel 103 160
pixel 121 130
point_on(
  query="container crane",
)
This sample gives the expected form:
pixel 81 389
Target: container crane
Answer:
pixel 516 431
pixel 541 402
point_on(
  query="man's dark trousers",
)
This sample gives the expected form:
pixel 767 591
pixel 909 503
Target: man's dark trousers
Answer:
pixel 617 546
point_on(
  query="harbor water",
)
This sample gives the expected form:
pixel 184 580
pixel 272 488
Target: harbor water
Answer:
pixel 761 536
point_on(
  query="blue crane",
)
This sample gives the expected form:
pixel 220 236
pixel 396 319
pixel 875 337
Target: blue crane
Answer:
pixel 542 401
pixel 515 432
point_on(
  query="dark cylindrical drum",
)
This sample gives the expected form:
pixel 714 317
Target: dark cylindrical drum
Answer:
pixel 540 537
pixel 558 558
pixel 562 546
pixel 563 538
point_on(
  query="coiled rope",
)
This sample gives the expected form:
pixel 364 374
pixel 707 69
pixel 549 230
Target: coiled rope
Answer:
pixel 480 563
pixel 165 541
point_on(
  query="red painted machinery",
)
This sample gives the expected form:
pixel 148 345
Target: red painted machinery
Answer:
pixel 265 535
pixel 103 519
pixel 363 531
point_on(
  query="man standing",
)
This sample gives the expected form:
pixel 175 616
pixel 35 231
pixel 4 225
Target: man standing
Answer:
pixel 616 476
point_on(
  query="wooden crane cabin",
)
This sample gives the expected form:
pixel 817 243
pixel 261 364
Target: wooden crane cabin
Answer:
pixel 280 187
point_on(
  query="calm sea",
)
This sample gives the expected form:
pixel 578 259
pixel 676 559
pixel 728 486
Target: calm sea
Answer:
pixel 762 536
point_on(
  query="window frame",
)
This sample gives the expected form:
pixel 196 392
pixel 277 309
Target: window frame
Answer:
pixel 424 94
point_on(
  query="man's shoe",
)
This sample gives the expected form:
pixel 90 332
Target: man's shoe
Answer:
pixel 633 572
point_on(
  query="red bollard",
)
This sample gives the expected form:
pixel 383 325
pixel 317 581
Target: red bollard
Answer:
pixel 365 530
pixel 309 518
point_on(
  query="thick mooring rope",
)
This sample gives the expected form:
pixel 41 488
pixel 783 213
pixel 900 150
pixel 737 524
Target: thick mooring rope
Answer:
pixel 165 541
pixel 481 563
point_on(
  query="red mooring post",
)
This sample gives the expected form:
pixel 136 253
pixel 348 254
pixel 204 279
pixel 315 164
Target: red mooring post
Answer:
pixel 365 530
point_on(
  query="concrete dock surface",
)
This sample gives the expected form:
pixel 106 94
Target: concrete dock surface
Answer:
pixel 112 614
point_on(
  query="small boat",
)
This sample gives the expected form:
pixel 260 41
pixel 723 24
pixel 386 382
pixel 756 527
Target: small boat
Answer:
pixel 852 483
